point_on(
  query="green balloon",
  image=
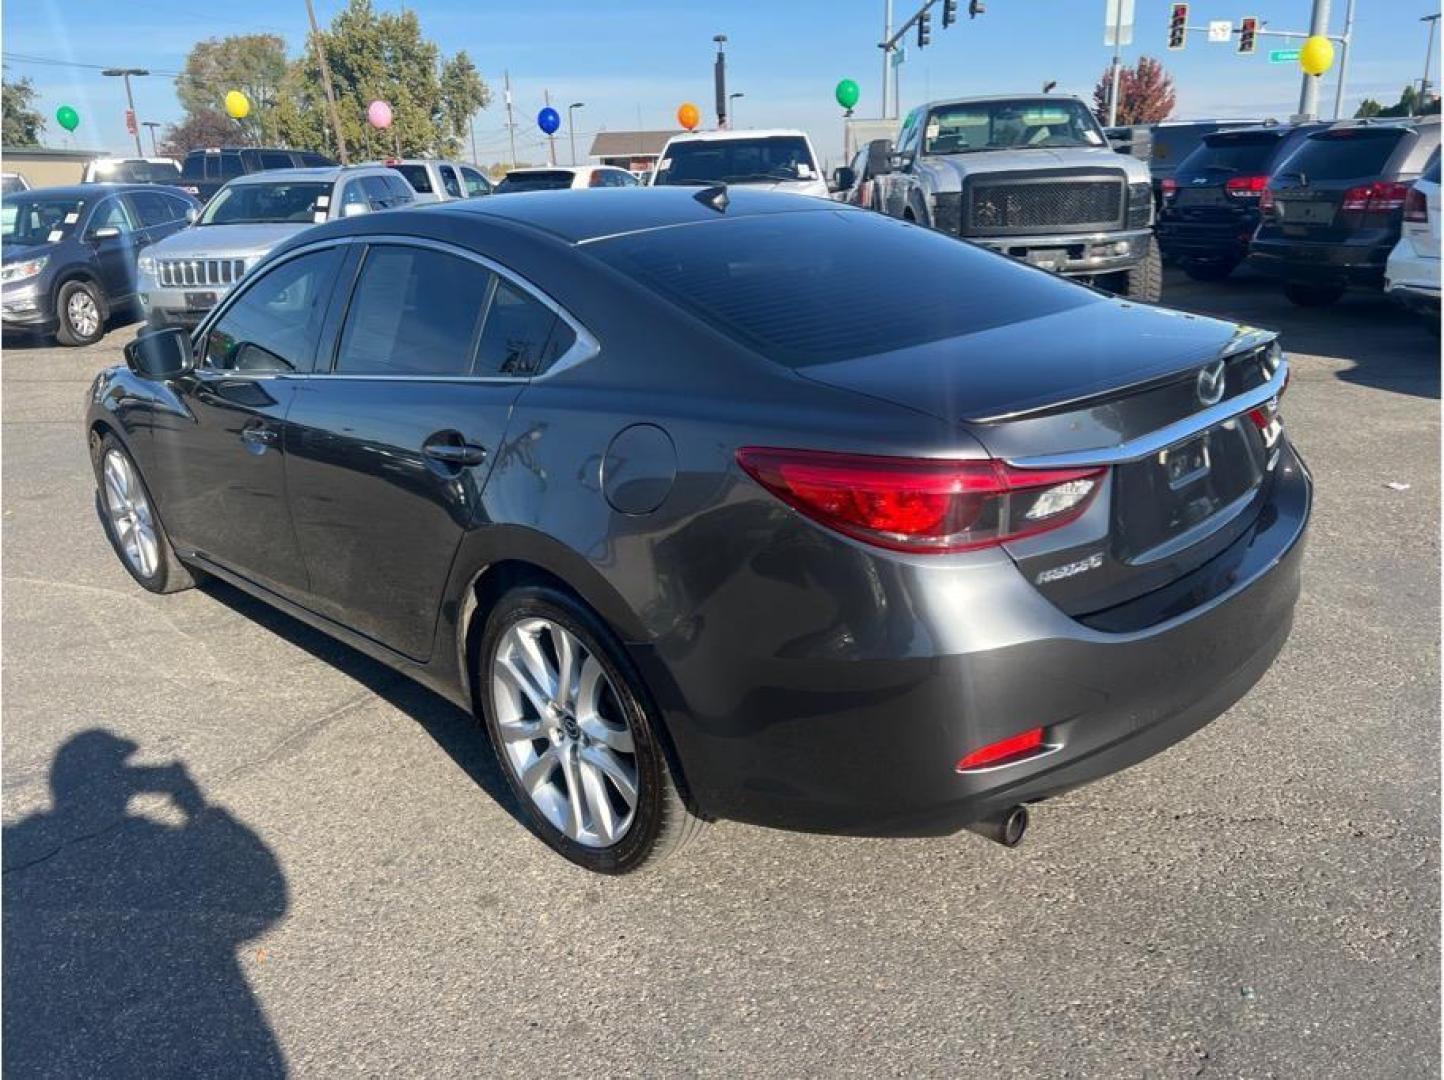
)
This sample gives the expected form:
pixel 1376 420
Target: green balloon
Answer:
pixel 847 93
pixel 67 118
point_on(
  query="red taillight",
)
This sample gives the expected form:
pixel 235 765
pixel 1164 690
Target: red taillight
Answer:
pixel 1169 187
pixel 1379 197
pixel 1005 750
pixel 1416 207
pixel 1246 187
pixel 922 504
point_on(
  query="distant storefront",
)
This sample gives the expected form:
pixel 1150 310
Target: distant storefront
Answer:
pixel 43 167
pixel 636 151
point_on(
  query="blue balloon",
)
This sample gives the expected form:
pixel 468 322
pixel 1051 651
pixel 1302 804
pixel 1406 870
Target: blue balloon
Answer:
pixel 548 120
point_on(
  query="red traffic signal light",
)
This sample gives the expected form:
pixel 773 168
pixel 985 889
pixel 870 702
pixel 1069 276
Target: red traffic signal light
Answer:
pixel 1178 26
pixel 1247 34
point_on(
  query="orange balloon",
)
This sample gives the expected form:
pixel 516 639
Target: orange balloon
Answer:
pixel 689 116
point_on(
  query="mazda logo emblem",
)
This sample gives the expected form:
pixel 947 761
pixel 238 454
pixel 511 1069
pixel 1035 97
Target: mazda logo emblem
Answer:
pixel 1211 383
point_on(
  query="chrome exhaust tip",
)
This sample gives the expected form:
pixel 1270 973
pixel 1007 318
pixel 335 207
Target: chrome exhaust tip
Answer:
pixel 1006 828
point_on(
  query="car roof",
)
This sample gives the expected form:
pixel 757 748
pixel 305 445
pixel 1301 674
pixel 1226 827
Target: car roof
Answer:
pixel 575 169
pixel 314 172
pixel 736 133
pixel 983 99
pixel 94 191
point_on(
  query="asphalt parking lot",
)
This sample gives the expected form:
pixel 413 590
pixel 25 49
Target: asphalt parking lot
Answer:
pixel 309 866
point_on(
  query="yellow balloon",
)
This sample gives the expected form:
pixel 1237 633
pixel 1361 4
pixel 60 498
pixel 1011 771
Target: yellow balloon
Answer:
pixel 238 106
pixel 1317 55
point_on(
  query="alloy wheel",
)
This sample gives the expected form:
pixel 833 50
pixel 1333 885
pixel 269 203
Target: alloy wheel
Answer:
pixel 130 514
pixel 564 733
pixel 81 312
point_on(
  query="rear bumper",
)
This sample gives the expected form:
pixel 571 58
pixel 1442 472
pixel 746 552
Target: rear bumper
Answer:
pixel 1321 263
pixel 820 739
pixel 1076 254
pixel 1189 241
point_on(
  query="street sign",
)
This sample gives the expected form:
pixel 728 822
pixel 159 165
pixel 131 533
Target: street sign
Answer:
pixel 1284 56
pixel 1119 21
pixel 1219 29
pixel 899 54
pixel 130 121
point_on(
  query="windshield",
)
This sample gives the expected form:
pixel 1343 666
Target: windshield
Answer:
pixel 737 161
pixel 534 181
pixel 32 219
pixel 136 172
pixel 279 201
pixel 1009 125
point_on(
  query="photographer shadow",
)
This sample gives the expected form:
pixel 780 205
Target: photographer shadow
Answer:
pixel 122 920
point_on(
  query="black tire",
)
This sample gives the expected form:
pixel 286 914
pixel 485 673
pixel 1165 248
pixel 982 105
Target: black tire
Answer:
pixel 168 574
pixel 1312 295
pixel 71 330
pixel 661 824
pixel 1144 282
pixel 1209 271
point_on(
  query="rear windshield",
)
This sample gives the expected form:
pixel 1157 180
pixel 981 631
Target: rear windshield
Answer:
pixel 204 166
pixel 416 176
pixel 737 161
pixel 1230 154
pixel 136 172
pixel 282 201
pixel 534 181
pixel 1344 154
pixel 790 285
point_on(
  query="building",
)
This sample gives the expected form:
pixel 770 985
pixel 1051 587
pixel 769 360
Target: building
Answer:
pixel 44 167
pixel 636 151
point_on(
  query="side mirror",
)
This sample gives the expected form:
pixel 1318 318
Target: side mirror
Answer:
pixel 843 178
pixel 161 354
pixel 354 209
pixel 192 215
pixel 105 232
pixel 879 157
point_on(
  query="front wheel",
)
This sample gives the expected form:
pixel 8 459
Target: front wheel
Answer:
pixel 575 735
pixel 80 314
pixel 1144 282
pixel 131 523
pixel 1313 295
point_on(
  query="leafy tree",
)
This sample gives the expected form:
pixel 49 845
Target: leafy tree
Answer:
pixel 22 122
pixel 380 56
pixel 1368 107
pixel 254 64
pixel 206 127
pixel 1145 94
pixel 1407 105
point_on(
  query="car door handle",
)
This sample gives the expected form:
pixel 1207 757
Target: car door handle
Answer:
pixel 455 453
pixel 259 435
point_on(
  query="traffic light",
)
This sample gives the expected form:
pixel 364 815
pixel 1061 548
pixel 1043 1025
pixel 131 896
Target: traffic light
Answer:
pixel 1178 26
pixel 1247 34
pixel 925 29
pixel 975 8
pixel 950 13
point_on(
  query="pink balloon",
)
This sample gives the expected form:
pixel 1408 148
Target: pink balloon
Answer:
pixel 379 113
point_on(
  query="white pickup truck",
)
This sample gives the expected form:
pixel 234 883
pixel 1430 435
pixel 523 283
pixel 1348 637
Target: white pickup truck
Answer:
pixel 779 159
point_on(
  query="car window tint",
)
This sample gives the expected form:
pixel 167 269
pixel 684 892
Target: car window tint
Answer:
pixel 155 208
pixel 229 165
pixel 353 195
pixel 273 325
pixel 275 159
pixel 179 208
pixel 381 194
pixel 539 180
pixel 450 182
pixel 515 334
pixel 416 176
pixel 414 312
pixel 771 282
pixel 315 160
pixel 112 213
pixel 1344 153
pixel 475 183
pixel 194 167
pixel 1227 155
pixel 401 192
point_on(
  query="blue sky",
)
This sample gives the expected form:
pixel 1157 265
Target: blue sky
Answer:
pixel 635 61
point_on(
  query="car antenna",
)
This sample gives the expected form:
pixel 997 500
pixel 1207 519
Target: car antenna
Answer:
pixel 713 195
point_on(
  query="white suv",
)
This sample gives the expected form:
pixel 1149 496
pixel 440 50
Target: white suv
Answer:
pixel 778 159
pixel 1412 273
pixel 439 181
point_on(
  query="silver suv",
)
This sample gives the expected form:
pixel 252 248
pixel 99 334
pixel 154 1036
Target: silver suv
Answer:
pixel 182 277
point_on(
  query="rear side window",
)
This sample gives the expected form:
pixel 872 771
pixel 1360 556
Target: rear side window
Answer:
pixel 1344 154
pixel 414 312
pixel 274 324
pixel 1231 154
pixel 310 160
pixel 771 282
pixel 194 167
pixel 515 335
pixel 275 159
pixel 228 166
pixel 416 176
pixel 155 208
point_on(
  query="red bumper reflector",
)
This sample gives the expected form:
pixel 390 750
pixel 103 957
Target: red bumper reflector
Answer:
pixel 1013 746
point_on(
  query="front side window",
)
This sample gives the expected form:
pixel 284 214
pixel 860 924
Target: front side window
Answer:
pixel 267 201
pixel 274 324
pixel 968 128
pixel 476 184
pixel 450 182
pixel 112 214
pixel 737 161
pixel 353 195
pixel 30 217
pixel 414 311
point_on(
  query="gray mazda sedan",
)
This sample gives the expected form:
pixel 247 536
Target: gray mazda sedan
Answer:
pixel 702 523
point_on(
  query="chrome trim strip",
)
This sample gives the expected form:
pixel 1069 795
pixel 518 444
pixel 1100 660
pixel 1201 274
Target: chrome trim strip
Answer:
pixel 1207 527
pixel 1056 239
pixel 1164 437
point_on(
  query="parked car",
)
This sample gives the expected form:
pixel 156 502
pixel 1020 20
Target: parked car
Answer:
pixel 152 170
pixel 1411 275
pixel 206 171
pixel 69 254
pixel 563 177
pixel 438 181
pixel 694 539
pixel 13 181
pixel 183 278
pixel 853 183
pixel 1210 203
pixel 1171 141
pixel 781 159
pixel 1029 176
pixel 1332 210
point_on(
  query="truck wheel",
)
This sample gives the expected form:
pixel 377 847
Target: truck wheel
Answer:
pixel 1313 295
pixel 1145 281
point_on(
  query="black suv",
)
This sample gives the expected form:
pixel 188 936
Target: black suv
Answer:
pixel 205 171
pixel 1333 208
pixel 70 253
pixel 1210 203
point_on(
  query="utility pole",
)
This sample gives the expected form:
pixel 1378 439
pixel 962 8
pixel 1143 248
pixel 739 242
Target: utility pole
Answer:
pixel 1117 47
pixel 1433 21
pixel 126 73
pixel 510 123
pixel 326 84
pixel 152 125
pixel 886 54
pixel 1344 60
pixel 1309 92
pixel 572 127
pixel 719 75
pixel 552 138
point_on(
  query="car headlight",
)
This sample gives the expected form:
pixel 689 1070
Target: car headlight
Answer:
pixel 20 271
pixel 146 264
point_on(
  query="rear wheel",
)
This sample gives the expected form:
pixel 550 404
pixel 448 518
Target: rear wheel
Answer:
pixel 131 523
pixel 1209 271
pixel 576 738
pixel 1313 295
pixel 80 314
